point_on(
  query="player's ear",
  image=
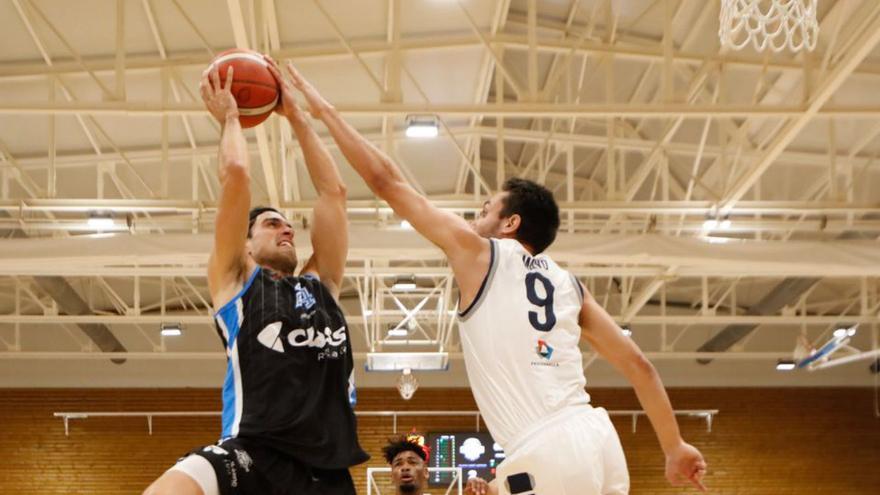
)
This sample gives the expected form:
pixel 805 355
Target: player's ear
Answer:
pixel 510 225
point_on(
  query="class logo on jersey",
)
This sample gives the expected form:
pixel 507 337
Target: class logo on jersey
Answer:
pixel 544 350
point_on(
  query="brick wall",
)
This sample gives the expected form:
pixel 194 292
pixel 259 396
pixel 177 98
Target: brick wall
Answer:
pixel 764 441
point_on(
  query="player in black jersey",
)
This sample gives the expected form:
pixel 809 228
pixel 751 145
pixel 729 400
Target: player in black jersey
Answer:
pixel 288 423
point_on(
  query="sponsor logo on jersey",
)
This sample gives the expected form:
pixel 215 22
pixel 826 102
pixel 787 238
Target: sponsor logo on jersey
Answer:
pixel 544 350
pixel 535 263
pixel 330 342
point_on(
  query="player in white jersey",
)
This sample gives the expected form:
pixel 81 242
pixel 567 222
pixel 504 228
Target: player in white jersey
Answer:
pixel 522 320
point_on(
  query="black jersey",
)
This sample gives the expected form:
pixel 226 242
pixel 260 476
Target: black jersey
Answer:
pixel 289 376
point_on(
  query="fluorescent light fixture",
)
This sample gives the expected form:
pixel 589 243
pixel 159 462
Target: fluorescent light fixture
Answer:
pixel 99 222
pixel 406 225
pixel 398 332
pixel 171 330
pixel 404 283
pixel 715 224
pixel 422 126
pixel 715 240
pixel 785 365
pixel 845 332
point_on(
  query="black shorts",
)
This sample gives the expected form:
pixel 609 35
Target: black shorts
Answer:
pixel 244 467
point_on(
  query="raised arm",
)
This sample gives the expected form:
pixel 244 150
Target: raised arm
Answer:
pixel 683 462
pixel 448 231
pixel 329 217
pixel 228 256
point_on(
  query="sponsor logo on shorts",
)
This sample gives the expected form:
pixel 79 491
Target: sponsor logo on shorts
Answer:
pixel 232 471
pixel 215 450
pixel 244 460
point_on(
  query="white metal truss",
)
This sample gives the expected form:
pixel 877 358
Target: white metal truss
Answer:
pixel 636 125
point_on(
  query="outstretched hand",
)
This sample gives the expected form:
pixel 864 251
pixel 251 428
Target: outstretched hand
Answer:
pixel 315 102
pixel 287 105
pixel 217 95
pixel 686 464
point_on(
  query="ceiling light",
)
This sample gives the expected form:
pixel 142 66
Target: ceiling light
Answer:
pixel 171 330
pixel 785 365
pixel 398 332
pixel 725 224
pixel 422 126
pixel 404 283
pixel 626 331
pixel 715 240
pixel 100 221
pixel 406 225
pixel 710 224
pixel 844 332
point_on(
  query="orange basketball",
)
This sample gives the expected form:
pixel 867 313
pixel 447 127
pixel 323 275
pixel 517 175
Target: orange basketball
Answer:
pixel 253 86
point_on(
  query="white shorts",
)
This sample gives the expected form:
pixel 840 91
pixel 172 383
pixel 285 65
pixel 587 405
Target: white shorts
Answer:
pixel 200 470
pixel 574 452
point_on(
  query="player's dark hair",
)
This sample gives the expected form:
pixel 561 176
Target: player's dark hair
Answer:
pixel 254 213
pixel 397 445
pixel 537 209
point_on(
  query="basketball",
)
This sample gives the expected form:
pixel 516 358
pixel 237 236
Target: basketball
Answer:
pixel 253 86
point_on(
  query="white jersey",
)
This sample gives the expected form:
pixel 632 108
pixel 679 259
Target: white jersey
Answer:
pixel 520 341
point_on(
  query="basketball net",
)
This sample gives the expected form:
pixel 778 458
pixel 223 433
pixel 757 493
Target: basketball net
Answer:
pixel 777 24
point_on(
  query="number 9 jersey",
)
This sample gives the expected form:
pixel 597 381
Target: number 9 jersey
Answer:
pixel 520 341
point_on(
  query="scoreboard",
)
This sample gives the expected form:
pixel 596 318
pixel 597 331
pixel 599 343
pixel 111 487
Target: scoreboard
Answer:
pixel 476 453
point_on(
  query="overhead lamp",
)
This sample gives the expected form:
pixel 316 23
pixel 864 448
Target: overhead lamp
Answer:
pixel 100 221
pixel 422 126
pixel 845 332
pixel 171 329
pixel 404 283
pixel 785 365
pixel 715 224
pixel 626 331
pixel 715 240
pixel 398 332
pixel 405 225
